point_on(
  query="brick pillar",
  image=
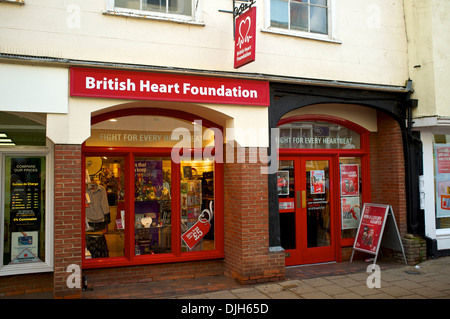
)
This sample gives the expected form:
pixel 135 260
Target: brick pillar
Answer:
pixel 246 224
pixel 67 218
pixel 387 166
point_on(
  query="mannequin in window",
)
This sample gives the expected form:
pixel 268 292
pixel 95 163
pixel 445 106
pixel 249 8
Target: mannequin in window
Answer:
pixel 97 207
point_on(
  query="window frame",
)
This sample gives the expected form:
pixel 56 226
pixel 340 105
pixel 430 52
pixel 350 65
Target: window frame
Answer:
pixel 35 267
pixel 331 35
pixel 195 18
pixel 129 154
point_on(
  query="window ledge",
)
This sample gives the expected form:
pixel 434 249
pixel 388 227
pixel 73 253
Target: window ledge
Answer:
pixel 30 268
pixel 21 2
pixel 301 35
pixel 144 15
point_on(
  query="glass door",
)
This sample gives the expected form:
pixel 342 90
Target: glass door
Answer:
pixel 306 205
pixel 317 218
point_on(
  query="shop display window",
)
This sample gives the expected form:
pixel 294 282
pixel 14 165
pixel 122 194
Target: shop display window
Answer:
pixel 159 203
pixel 197 205
pixel 105 196
pixel 441 148
pixel 26 192
pixel 350 195
pixel 152 205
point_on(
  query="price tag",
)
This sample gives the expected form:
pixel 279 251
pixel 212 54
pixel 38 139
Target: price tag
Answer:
pixel 194 234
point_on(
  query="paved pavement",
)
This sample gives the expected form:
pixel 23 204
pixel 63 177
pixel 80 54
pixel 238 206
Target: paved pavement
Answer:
pixel 343 281
pixel 430 280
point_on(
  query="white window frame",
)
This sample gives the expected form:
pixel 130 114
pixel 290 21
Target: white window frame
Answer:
pixel 38 267
pixel 195 19
pixel 331 35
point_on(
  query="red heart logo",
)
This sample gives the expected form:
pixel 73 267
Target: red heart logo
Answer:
pixel 244 30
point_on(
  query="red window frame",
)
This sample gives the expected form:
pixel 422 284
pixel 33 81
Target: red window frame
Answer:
pixel 129 153
pixel 362 152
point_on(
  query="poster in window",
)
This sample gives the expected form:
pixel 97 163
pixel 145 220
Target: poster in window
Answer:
pixel 317 182
pixel 148 180
pixel 350 212
pixel 283 182
pixel 349 179
pixel 24 247
pixel 25 193
pixel 442 178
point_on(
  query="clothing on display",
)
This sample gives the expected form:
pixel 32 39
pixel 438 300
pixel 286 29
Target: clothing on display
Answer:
pixel 97 208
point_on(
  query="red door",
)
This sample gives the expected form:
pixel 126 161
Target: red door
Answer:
pixel 307 208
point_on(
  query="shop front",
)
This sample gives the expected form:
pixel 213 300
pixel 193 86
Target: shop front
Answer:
pixel 322 167
pixel 338 149
pixel 167 181
pixel 150 176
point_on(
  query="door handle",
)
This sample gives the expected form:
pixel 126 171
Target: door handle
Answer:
pixel 303 199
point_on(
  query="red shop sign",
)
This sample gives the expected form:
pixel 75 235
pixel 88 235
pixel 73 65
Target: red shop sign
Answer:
pixel 137 85
pixel 245 38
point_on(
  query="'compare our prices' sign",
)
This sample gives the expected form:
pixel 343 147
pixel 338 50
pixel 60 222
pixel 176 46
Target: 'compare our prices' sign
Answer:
pixel 137 85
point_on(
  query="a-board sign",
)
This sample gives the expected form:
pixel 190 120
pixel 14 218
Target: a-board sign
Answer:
pixel 377 228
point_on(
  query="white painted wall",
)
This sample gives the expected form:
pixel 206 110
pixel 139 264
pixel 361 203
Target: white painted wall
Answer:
pixel 27 88
pixel 428 22
pixel 372 38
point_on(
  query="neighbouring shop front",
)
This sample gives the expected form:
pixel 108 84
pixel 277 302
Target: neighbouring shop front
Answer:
pixel 434 136
pixel 27 175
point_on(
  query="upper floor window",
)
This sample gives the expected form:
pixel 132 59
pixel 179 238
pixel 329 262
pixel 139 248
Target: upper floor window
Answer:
pixel 300 15
pixel 183 7
pixel 313 19
pixel 187 11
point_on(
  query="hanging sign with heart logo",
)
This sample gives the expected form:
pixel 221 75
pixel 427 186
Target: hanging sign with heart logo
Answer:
pixel 244 50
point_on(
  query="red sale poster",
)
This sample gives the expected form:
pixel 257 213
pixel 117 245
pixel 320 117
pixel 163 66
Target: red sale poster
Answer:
pixel 371 228
pixel 349 179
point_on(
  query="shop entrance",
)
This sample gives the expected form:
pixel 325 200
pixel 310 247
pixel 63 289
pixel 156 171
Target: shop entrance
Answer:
pixel 307 208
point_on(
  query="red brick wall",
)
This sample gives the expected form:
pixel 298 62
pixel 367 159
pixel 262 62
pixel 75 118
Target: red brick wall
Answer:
pixel 387 168
pixel 25 284
pixel 67 217
pixel 148 273
pixel 246 224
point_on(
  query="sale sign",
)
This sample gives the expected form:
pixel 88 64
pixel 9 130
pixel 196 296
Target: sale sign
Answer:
pixel 245 38
pixel 196 233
